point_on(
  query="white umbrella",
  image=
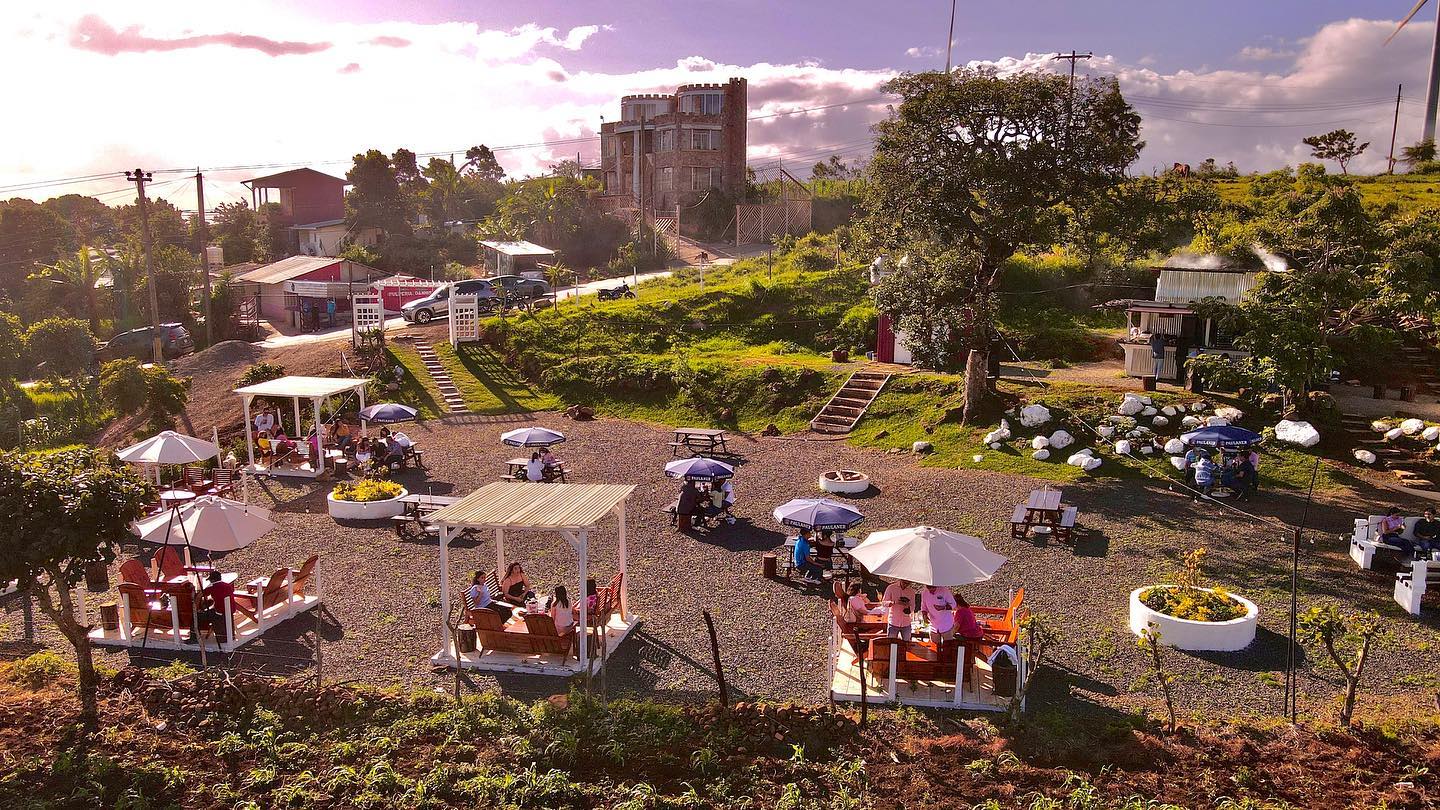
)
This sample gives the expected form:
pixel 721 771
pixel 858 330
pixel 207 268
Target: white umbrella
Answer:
pixel 169 447
pixel 927 555
pixel 210 522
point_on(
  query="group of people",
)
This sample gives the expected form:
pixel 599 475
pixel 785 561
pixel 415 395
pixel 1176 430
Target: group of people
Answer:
pixel 946 613
pixel 543 466
pixel 1237 472
pixel 814 554
pixel 1426 535
pixel 378 453
pixel 517 593
pixel 701 501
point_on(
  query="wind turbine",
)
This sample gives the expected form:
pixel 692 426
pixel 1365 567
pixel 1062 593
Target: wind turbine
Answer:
pixel 1432 88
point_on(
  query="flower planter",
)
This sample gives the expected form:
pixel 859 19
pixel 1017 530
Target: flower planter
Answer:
pixel 1188 634
pixel 844 482
pixel 365 510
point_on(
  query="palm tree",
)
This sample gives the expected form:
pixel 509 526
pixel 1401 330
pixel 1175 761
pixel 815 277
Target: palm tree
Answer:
pixel 443 194
pixel 77 276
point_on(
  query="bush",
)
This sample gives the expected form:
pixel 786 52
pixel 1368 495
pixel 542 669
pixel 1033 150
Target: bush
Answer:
pixel 39 669
pixel 1426 167
pixel 366 490
pixel 1197 605
pixel 123 385
pixel 262 372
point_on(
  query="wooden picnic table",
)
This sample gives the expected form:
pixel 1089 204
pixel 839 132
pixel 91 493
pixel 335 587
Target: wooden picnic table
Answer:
pixel 699 439
pixel 515 470
pixel 1043 506
pixel 415 508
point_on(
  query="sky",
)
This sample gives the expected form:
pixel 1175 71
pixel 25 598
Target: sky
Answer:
pixel 94 88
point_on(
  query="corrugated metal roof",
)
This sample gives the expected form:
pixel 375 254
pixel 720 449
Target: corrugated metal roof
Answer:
pixel 304 386
pixel 290 176
pixel 518 248
pixel 310 226
pixel 511 505
pixel 286 269
pixel 1184 286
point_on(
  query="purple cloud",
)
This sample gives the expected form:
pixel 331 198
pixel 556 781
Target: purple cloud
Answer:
pixel 94 34
pixel 389 42
pixel 353 67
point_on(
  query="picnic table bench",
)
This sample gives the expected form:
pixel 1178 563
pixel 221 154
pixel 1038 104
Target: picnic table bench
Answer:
pixel 699 441
pixel 840 560
pixel 416 509
pixel 515 470
pixel 1044 509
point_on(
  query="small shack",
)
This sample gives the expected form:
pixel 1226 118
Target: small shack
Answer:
pixel 298 291
pixel 516 258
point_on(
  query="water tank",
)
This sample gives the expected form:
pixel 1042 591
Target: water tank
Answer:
pixel 214 256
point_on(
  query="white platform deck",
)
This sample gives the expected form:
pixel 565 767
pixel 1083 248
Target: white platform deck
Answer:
pixel 166 638
pixel 539 663
pixel 303 470
pixel 976 695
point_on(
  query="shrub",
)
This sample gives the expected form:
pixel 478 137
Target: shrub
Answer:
pixel 39 669
pixel 262 372
pixel 366 490
pixel 123 385
pixel 1187 600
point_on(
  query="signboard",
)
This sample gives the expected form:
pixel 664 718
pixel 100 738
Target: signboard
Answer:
pixel 396 291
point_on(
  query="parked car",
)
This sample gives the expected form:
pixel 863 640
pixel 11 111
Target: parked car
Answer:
pixel 521 288
pixel 437 303
pixel 175 341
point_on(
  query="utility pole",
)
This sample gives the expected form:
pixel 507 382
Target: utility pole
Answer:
pixel 1432 90
pixel 140 177
pixel 950 40
pixel 204 236
pixel 1395 126
pixel 1072 58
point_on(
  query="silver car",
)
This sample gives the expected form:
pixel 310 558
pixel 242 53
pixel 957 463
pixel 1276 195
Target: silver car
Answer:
pixel 437 303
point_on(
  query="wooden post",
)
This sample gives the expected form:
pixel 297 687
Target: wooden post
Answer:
pixel 447 641
pixel 715 655
pixel 860 667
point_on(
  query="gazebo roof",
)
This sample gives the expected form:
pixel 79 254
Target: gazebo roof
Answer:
pixel 514 505
pixel 306 387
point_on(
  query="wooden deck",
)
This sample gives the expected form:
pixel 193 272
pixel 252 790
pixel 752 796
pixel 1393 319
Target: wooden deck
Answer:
pixel 167 638
pixel 977 695
pixel 538 663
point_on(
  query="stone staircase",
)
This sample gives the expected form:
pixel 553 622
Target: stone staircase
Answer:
pixel 1421 368
pixel 849 404
pixel 454 403
pixel 1407 469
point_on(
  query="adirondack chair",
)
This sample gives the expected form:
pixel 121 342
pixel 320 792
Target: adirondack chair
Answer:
pixel 544 638
pixel 143 607
pixel 267 599
pixel 222 482
pixel 614 589
pixel 169 563
pixel 306 580
pixel 491 634
pixel 135 573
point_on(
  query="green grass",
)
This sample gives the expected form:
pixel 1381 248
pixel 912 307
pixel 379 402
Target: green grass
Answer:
pixel 487 385
pixel 417 389
pixel 1408 191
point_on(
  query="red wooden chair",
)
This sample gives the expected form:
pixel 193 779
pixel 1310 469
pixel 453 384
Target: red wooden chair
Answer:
pixel 303 581
pixel 169 562
pixel 263 599
pixel 134 572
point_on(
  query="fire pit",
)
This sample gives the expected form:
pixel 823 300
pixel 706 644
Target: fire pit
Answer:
pixel 844 482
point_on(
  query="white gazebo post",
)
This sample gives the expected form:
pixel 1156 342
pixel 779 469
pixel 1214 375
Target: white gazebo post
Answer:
pixel 499 555
pixel 362 407
pixel 249 439
pixel 447 643
pixel 298 434
pixel 960 658
pixel 624 595
pixel 319 461
pixel 582 549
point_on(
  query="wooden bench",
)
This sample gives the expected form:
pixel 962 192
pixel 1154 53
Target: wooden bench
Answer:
pixel 1065 529
pixel 1020 522
pixel 1410 586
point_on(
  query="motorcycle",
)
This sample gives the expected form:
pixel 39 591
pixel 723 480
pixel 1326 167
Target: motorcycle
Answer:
pixel 623 291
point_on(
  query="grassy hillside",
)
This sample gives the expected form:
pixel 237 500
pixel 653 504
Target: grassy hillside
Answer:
pixel 1408 191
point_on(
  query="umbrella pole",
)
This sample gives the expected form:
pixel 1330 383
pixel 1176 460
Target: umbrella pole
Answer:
pixel 194 603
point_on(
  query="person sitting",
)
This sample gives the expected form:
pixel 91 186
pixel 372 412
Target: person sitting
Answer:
pixel 264 445
pixel 394 454
pixel 552 464
pixel 966 626
pixel 688 506
pixel 344 437
pixel 1392 530
pixel 1192 457
pixel 405 443
pixel 535 469
pixel 362 453
pixel 561 612
pixel 217 599
pixel 1427 533
pixel 478 596
pixel 727 494
pixel 810 571
pixel 515 588
pixel 592 597
pixel 825 549
pixel 939 605
pixel 899 598
pixel 857 607
pixel 1204 476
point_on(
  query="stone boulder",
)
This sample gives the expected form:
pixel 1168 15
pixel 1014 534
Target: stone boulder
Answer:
pixel 1034 415
pixel 1301 433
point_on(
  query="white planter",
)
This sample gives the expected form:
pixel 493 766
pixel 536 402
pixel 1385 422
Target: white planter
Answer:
pixel 365 510
pixel 844 482
pixel 1187 634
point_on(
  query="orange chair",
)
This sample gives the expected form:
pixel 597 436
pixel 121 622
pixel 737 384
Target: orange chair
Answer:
pixel 258 601
pixel 134 572
pixel 303 580
pixel 169 562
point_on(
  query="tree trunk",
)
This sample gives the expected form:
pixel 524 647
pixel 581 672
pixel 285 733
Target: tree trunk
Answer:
pixel 977 365
pixel 79 637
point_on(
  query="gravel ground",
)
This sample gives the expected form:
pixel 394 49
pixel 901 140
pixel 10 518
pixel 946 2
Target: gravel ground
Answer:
pixel 382 623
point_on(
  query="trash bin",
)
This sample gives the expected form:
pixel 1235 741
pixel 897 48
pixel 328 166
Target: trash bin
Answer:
pixel 1005 670
pixel 97 576
pixel 1377 391
pixel 768 565
pixel 1407 393
pixel 465 640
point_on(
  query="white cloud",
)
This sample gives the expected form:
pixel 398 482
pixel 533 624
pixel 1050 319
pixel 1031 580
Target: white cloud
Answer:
pixel 1263 53
pixel 923 52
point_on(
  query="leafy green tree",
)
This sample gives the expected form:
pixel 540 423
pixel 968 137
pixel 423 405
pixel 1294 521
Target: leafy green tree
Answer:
pixel 64 511
pixel 480 161
pixel 360 254
pixel 1338 145
pixel 30 235
pixel 122 385
pixel 12 342
pixel 63 346
pixel 236 229
pixel 75 277
pixel 1422 151
pixel 275 236
pixel 974 161
pixel 443 194
pixel 167 223
pixel 1331 631
pixel 1140 216
pixel 93 222
pixel 376 197
pixel 930 294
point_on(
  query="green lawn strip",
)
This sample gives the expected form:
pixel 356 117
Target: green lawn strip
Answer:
pixel 1409 191
pixel 487 385
pixel 416 389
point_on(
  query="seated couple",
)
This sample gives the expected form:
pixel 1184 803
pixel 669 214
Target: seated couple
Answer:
pixel 542 467
pixel 515 592
pixel 814 555
pixel 1427 533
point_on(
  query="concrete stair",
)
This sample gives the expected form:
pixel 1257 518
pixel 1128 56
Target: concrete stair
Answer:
pixel 849 404
pixel 1422 368
pixel 454 403
pixel 1408 470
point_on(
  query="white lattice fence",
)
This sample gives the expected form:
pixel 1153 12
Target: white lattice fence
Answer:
pixel 755 223
pixel 667 226
pixel 464 319
pixel 368 312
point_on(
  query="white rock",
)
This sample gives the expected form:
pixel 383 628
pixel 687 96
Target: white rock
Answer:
pixel 1105 431
pixel 1134 434
pixel 1146 450
pixel 1159 421
pixel 999 434
pixel 1431 433
pixel 1090 465
pixel 1034 415
pixel 1364 456
pixel 1393 433
pixel 1197 407
pixel 921 447
pixel 1232 414
pixel 1301 433
pixel 1131 405
pixel 1380 426
pixel 1216 421
pixel 1149 411
pixel 1190 422
pixel 977 458
pixel 1123 447
pixel 1061 439
pixel 996 445
pixel 1175 447
pixel 1039 443
pixel 1179 463
pixel 1040 455
pixel 1147 401
pixel 1412 426
pixel 1169 410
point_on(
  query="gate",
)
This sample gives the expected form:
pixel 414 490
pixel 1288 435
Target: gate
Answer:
pixel 464 319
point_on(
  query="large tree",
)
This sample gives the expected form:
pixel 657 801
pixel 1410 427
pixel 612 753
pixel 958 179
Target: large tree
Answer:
pixel 65 510
pixel 1338 145
pixel 236 229
pixel 63 346
pixel 480 161
pixel 978 165
pixel 75 278
pixel 30 235
pixel 376 197
pixel 93 221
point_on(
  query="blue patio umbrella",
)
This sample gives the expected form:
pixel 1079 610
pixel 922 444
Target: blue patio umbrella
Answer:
pixel 385 413
pixel 699 468
pixel 532 437
pixel 820 514
pixel 1225 437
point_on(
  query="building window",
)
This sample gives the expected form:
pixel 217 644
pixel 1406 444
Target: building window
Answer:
pixel 704 178
pixel 665 140
pixel 704 140
pixel 667 177
pixel 703 103
pixel 607 145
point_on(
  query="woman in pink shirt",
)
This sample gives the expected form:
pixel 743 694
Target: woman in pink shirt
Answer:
pixel 965 625
pixel 900 599
pixel 939 605
pixel 857 607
